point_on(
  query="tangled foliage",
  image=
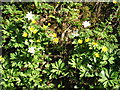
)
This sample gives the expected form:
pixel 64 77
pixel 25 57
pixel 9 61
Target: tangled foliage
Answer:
pixel 60 45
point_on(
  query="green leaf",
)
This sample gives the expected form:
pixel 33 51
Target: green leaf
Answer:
pixel 52 16
pixel 105 57
pixel 103 63
pixel 111 60
pixel 36 3
pixel 102 80
pixel 105 84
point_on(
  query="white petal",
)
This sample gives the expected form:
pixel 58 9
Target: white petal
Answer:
pixel 86 23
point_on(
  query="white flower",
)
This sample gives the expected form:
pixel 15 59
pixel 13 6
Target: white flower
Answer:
pixel 31 50
pixel 103 72
pixel 31 41
pixel 75 9
pixel 86 23
pixel 26 42
pixel 29 15
pixel 75 87
pixel 89 66
pixel 75 33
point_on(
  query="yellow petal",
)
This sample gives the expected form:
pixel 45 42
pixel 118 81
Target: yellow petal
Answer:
pixel 97 55
pixel 114 1
pixel 49 24
pixel 95 43
pixel 31 28
pixel 33 21
pixel 104 49
pixel 24 34
pixel 40 80
pixel 87 40
pixel 38 40
pixel 54 35
pixel 80 41
pixel 44 27
pixel 55 40
pixel 35 31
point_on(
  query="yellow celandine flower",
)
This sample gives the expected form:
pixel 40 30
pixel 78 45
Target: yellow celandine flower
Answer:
pixel 38 40
pixel 44 27
pixel 104 49
pixel 40 80
pixel 56 40
pixel 31 28
pixel 80 41
pixel 114 1
pixel 35 31
pixel 87 40
pixel 33 21
pixel 95 43
pixel 49 24
pixel 54 35
pixel 25 34
pixel 97 55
